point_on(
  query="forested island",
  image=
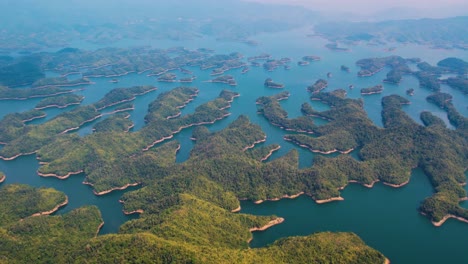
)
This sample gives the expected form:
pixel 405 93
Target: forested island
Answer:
pixel 61 101
pixel 271 84
pixel 372 90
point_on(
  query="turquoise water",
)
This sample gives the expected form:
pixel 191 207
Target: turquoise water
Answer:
pixel 385 218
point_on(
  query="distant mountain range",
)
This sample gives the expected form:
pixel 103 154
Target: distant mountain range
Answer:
pixel 439 33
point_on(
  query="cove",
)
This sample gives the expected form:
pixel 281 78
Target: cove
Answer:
pixel 385 218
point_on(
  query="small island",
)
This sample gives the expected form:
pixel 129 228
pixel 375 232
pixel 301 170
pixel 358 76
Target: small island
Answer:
pixel 59 82
pixel 318 86
pixel 270 84
pixel 187 79
pixel 245 70
pixel 226 79
pixel 410 92
pixel 2 177
pixel 311 58
pixel 303 63
pixel 372 90
pixel 168 77
pixel 345 68
pixel 61 101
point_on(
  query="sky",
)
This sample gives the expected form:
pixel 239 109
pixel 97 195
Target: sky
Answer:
pixel 365 7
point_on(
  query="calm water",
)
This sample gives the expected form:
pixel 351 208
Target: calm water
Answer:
pixel 386 218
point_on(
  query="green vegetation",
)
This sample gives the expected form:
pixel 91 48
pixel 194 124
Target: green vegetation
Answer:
pixel 397 64
pixel 270 108
pixel 116 123
pixel 388 154
pixel 458 83
pixel 59 82
pixel 25 139
pixel 270 84
pixel 22 94
pixel 21 201
pixel 318 86
pixel 372 90
pixel 14 125
pixel 454 65
pixel 60 101
pixel 23 72
pixel 109 159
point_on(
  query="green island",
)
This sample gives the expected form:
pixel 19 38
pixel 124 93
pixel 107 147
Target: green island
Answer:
pixel 270 108
pixel 59 82
pixel 389 154
pixel 271 84
pixel 372 90
pixel 13 125
pixel 345 68
pixel 226 79
pixel 198 229
pixel 115 123
pixel 23 94
pixel 61 101
pixel 22 139
pixel 21 201
pixel 318 86
pixel 98 151
pixel 311 58
pixel 272 64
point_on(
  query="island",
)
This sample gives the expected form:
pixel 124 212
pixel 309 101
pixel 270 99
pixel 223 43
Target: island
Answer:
pixel 61 101
pixel 60 82
pixel 318 86
pixel 335 47
pixel 372 90
pixel 168 77
pixel 410 92
pixel 303 63
pixel 2 177
pixel 345 68
pixel 226 79
pixel 310 58
pixel 270 84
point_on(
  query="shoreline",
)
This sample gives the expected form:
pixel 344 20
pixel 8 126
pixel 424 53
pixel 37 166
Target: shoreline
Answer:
pixel 254 143
pixel 236 210
pixel 56 106
pixel 396 185
pixel 99 228
pixel 113 189
pixel 270 153
pixel 59 176
pixel 447 217
pixel 139 211
pixel 273 222
pixel 17 156
pixel 339 198
pixel 316 150
pixel 279 198
pixel 2 179
pixel 55 209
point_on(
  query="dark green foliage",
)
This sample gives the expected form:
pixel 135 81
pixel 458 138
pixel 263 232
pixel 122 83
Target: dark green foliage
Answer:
pixel 454 64
pixel 458 83
pixel 270 108
pixel 429 119
pixel 120 95
pixel 59 82
pixel 318 86
pixel 20 73
pixel 60 101
pixel 22 94
pixel 427 80
pixel 20 201
pixel 372 90
pixel 115 123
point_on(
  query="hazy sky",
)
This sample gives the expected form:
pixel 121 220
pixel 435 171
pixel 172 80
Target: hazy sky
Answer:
pixel 372 6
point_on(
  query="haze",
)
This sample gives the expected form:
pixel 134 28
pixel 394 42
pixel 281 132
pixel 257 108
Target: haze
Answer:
pixel 404 8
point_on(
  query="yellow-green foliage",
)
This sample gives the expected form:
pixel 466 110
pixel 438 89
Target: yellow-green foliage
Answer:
pixel 20 201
